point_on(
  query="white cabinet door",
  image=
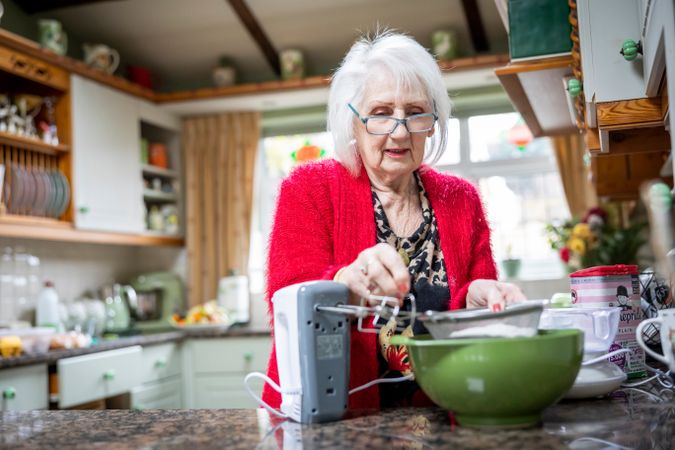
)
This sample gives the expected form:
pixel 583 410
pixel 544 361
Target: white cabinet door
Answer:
pixel 225 391
pixel 165 394
pixel 215 370
pixel 106 154
pixel 24 388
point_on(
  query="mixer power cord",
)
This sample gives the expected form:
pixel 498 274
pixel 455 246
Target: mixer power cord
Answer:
pixel 277 388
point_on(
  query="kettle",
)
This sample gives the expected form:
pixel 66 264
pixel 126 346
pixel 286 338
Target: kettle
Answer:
pixel 102 57
pixel 119 299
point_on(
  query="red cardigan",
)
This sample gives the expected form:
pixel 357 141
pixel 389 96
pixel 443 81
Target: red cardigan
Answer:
pixel 325 218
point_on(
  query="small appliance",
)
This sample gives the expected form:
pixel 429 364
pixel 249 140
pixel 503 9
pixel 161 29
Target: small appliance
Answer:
pixel 158 296
pixel 117 319
pixel 312 326
pixel 598 376
pixel 233 295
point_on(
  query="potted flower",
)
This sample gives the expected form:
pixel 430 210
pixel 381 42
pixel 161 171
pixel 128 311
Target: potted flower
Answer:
pixel 596 240
pixel 510 265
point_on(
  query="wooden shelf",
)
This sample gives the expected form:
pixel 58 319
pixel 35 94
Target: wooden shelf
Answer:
pixel 536 90
pixel 36 145
pixel 149 194
pixel 473 62
pixel 154 170
pixel 31 48
pixel 54 230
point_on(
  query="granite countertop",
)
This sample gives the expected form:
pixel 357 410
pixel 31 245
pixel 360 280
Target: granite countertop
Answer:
pixel 128 341
pixel 630 419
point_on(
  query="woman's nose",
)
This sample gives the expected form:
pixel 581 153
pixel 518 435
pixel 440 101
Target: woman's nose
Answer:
pixel 400 131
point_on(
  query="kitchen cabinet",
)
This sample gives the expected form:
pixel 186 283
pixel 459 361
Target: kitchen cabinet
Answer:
pixel 622 109
pixel 215 370
pixel 35 139
pixel 106 158
pixel 161 378
pixel 110 179
pixel 161 173
pixel 96 376
pixel 24 388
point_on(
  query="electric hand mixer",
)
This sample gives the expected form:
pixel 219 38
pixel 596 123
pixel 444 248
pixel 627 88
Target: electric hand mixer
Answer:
pixel 312 326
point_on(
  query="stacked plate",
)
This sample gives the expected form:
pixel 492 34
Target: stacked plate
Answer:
pixel 34 191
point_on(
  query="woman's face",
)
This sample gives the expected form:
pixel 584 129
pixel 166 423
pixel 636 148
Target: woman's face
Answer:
pixel 396 155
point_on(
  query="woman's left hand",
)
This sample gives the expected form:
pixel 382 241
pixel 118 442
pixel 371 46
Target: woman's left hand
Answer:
pixel 493 294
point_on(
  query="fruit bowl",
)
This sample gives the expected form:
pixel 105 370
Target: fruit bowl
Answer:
pixel 496 382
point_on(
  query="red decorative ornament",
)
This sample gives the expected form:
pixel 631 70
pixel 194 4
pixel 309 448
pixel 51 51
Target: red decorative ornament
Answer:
pixel 520 136
pixel 307 152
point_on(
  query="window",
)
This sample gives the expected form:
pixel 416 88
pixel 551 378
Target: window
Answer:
pixel 516 175
pixel 519 182
pixel 276 157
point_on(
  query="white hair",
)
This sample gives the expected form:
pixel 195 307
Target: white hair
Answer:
pixel 411 66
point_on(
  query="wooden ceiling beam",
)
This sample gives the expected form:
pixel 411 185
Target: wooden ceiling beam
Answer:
pixel 38 6
pixel 476 28
pixel 257 33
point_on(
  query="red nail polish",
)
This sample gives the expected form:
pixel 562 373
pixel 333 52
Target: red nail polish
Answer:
pixel 497 307
pixel 402 288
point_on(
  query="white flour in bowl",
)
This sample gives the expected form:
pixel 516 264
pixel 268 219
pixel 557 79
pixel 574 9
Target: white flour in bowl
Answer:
pixel 495 330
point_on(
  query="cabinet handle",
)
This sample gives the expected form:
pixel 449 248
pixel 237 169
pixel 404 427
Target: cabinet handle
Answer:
pixel 248 356
pixel 109 375
pixel 630 49
pixel 9 393
pixel 574 87
pixel 160 363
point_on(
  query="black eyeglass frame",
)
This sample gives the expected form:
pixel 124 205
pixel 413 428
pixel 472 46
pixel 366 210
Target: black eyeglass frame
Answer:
pixel 398 121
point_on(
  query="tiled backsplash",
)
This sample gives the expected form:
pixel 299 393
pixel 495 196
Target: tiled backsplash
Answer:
pixel 77 268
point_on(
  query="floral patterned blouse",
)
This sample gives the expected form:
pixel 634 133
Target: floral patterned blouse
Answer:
pixel 429 284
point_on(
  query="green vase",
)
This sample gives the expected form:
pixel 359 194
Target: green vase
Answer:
pixel 511 267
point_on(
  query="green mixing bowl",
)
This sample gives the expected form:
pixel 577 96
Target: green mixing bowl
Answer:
pixel 496 382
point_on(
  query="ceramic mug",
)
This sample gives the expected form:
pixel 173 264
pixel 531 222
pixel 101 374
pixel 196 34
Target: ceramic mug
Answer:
pixel 102 57
pixel 666 319
pixel 52 36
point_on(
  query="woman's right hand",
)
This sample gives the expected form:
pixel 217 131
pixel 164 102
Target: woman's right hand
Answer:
pixel 378 270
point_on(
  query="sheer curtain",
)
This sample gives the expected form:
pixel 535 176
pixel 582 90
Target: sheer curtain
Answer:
pixel 575 175
pixel 220 152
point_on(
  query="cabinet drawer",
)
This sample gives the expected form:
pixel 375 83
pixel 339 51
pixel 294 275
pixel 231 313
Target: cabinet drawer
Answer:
pixel 24 388
pixel 241 355
pixel 224 391
pixel 100 375
pixel 159 395
pixel 33 69
pixel 160 361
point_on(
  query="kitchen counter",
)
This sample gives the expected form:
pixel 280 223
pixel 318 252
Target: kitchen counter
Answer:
pixel 630 419
pixel 140 339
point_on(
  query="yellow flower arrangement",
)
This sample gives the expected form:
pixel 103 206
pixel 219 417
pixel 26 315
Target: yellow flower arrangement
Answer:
pixel 595 240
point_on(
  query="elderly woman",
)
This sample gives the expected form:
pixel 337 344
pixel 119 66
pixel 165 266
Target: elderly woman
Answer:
pixel 380 220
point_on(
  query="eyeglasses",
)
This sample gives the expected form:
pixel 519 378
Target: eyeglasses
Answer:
pixel 381 125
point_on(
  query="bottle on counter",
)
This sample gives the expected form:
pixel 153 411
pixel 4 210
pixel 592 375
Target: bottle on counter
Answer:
pixel 47 311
